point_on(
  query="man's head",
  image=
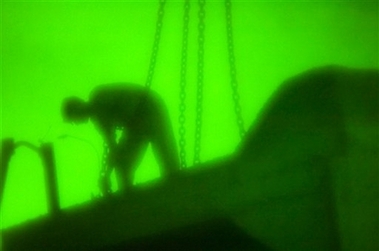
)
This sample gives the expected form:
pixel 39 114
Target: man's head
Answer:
pixel 75 110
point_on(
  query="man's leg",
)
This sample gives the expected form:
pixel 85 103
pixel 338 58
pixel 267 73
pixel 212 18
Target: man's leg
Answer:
pixel 164 146
pixel 130 154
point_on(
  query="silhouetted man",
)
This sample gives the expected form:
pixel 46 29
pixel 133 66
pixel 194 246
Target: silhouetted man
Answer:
pixel 141 116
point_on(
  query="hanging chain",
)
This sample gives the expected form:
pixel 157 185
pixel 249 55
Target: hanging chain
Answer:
pixel 104 179
pixel 157 38
pixel 233 72
pixel 183 83
pixel 200 81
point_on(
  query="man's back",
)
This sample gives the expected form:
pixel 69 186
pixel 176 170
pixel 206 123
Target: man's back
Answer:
pixel 116 103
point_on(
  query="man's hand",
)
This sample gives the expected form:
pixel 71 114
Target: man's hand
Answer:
pixel 110 161
pixel 113 158
pixel 105 184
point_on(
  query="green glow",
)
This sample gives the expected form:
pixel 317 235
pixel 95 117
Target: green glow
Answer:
pixel 54 49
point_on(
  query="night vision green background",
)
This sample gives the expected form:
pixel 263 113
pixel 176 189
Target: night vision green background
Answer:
pixel 54 49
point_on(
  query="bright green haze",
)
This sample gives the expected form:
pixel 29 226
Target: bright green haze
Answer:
pixel 53 49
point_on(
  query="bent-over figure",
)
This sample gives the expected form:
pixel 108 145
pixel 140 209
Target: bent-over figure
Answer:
pixel 141 117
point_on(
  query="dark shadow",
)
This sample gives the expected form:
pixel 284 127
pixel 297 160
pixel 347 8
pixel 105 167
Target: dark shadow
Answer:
pixel 219 234
pixel 324 122
pixel 313 111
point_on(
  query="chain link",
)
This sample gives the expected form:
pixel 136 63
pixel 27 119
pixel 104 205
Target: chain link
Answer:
pixel 157 37
pixel 104 179
pixel 200 82
pixel 183 83
pixel 104 173
pixel 233 72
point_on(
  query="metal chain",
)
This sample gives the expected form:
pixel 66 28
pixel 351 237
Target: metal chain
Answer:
pixel 153 58
pixel 200 82
pixel 104 179
pixel 183 83
pixel 105 157
pixel 233 72
pixel 105 170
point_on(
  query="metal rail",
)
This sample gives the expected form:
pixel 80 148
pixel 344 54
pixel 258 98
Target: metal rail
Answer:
pixel 46 152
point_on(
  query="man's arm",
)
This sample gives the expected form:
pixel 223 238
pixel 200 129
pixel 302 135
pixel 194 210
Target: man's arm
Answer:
pixel 107 132
pixel 109 160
